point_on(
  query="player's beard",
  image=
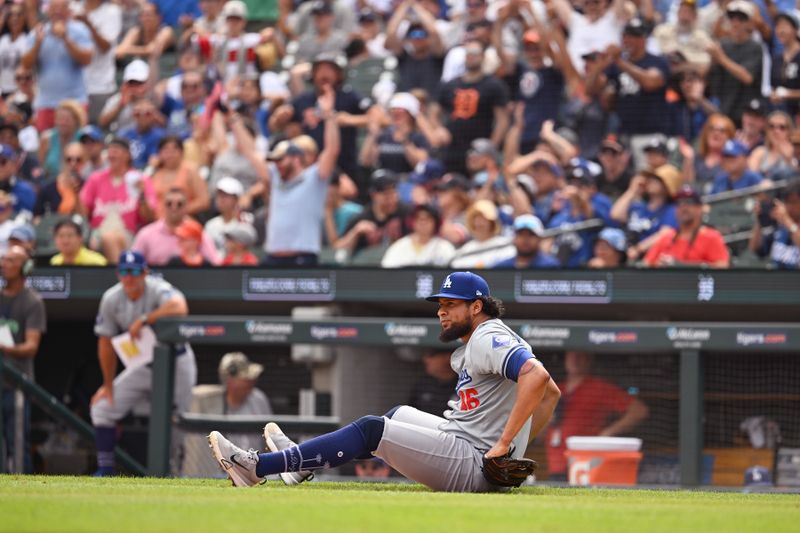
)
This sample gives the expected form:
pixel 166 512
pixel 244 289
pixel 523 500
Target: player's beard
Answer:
pixel 455 331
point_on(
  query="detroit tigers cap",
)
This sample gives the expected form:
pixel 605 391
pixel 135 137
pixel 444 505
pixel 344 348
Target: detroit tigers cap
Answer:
pixel 131 259
pixel 461 286
pixel 427 171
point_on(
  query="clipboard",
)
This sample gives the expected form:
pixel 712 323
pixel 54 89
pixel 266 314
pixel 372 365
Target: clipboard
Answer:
pixel 135 352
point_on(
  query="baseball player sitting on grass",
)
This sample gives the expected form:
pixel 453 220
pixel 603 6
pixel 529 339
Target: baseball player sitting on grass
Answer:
pixel 505 397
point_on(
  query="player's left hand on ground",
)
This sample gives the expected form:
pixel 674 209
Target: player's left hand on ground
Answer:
pixel 504 471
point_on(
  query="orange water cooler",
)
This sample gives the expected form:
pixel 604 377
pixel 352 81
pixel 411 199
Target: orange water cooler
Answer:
pixel 603 460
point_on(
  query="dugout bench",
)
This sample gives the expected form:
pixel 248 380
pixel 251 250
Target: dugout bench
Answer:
pixel 688 339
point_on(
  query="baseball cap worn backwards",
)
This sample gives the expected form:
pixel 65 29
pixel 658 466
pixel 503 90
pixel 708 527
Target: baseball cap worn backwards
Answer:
pixel 461 286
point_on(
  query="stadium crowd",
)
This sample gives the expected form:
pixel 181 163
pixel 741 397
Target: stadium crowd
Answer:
pixel 469 134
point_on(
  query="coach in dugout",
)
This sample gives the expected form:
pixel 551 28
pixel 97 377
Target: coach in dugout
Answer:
pixel 136 302
pixel 589 406
pixel 23 318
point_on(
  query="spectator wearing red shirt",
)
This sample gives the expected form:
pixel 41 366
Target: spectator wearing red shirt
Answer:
pixel 692 242
pixel 589 406
pixel 238 240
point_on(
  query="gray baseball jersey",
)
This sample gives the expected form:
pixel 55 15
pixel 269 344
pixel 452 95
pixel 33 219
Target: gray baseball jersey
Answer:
pixel 132 386
pixel 485 390
pixel 117 311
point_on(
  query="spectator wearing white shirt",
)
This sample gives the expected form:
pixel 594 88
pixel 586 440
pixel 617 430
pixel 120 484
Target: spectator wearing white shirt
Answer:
pixel 599 26
pixel 423 246
pixel 226 201
pixel 13 43
pixel 104 20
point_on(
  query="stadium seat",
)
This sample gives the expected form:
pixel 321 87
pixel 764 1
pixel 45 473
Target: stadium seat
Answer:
pixel 45 246
pixel 369 256
pixel 731 216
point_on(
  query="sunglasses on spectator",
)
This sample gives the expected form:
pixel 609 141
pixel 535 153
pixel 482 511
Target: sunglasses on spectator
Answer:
pixel 135 272
pixel 73 159
pixel 134 82
pixel 609 151
pixel 23 77
pixel 720 129
pixel 190 85
pixel 177 204
pixel 776 126
pixel 475 5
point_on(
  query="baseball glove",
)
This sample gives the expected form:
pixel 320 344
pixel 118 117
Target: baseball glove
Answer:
pixel 507 472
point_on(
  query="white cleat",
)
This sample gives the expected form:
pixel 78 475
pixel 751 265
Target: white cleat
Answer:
pixel 240 465
pixel 276 442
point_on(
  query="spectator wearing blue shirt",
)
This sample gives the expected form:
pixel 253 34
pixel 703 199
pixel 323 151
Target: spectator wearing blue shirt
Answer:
pixel 21 192
pixel 178 11
pixel 690 112
pixel 302 113
pixel 647 207
pixel 610 249
pixel 583 203
pixel 58 50
pixel 178 111
pixel 785 75
pixel 541 87
pixel 145 135
pixel 528 232
pixel 735 175
pixel 783 244
pixel 639 80
pixel 546 175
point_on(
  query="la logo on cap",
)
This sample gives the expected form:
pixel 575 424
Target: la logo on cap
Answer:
pixel 447 283
pixel 129 258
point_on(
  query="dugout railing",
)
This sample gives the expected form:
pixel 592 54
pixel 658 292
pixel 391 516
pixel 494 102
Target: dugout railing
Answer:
pixel 689 340
pixel 54 408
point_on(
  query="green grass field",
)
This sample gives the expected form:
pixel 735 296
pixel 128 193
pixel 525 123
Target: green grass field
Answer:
pixel 40 503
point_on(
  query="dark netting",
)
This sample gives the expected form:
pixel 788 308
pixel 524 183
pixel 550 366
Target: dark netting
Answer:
pixel 752 415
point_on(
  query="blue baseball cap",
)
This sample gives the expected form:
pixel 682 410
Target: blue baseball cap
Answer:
pixel 24 233
pixel 584 170
pixel 461 286
pixel 427 171
pixel 131 259
pixel 92 132
pixel 757 476
pixel 734 148
pixel 552 167
pixel 530 223
pixel 417 33
pixel 615 237
pixel 7 151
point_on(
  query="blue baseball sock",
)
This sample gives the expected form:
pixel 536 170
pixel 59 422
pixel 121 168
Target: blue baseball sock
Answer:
pixel 105 439
pixel 325 451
